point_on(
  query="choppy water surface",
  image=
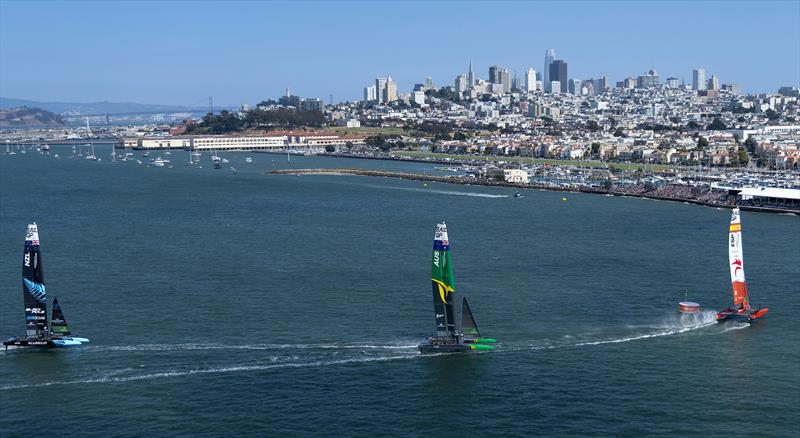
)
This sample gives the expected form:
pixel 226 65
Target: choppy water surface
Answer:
pixel 253 304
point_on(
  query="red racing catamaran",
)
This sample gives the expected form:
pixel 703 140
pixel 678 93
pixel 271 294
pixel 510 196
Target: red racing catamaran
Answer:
pixel 741 310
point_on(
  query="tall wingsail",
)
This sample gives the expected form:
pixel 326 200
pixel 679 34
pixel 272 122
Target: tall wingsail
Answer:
pixel 468 326
pixel 736 262
pixel 58 325
pixel 443 283
pixel 33 289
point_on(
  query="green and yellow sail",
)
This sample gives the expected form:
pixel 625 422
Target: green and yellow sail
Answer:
pixel 443 283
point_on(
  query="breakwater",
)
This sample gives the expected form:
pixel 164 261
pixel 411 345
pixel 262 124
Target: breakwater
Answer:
pixel 707 197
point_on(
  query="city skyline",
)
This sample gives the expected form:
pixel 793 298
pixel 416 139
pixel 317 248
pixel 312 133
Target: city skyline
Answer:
pixel 239 53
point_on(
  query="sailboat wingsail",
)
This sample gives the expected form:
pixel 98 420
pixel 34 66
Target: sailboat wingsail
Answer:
pixel 443 283
pixel 741 309
pixel 37 334
pixel 468 326
pixel 33 290
pixel 736 262
pixel 58 324
pixel 452 335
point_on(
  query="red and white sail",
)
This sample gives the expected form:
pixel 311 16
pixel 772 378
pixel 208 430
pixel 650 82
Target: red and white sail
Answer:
pixel 736 261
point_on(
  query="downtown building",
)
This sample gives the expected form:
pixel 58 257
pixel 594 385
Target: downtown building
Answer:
pixel 558 73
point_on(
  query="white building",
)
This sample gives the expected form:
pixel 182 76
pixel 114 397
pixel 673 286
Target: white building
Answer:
pixel 530 80
pixel 370 94
pixel 418 97
pixel 461 83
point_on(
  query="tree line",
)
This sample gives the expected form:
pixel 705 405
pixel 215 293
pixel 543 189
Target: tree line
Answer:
pixel 227 121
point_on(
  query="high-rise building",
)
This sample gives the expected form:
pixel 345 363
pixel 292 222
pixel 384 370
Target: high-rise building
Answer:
pixel 429 83
pixel 505 80
pixel 549 56
pixel 380 89
pixel 390 93
pixel 461 83
pixel 648 80
pixel 589 86
pixel 575 86
pixel 418 97
pixel 672 82
pixel 713 83
pixel 601 85
pixel 698 79
pixel 736 88
pixel 470 76
pixel 558 72
pixel 370 94
pixel 555 87
pixel 530 80
pixel 627 84
pixel 494 74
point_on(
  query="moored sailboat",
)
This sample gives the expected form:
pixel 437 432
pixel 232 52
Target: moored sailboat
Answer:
pixel 453 334
pixel 37 333
pixel 741 310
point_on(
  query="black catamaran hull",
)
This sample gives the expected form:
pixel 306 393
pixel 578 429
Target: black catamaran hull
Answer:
pixel 43 343
pixel 28 343
pixel 748 315
pixel 434 345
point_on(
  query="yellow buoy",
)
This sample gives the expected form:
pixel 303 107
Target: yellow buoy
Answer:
pixel 425 185
pixel 564 199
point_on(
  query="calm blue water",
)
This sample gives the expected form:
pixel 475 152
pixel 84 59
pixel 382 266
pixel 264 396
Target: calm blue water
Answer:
pixel 255 304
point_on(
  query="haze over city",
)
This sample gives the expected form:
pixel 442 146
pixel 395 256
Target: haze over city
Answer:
pixel 242 52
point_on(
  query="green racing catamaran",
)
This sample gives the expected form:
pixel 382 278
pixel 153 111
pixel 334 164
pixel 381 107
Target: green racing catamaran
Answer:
pixel 453 334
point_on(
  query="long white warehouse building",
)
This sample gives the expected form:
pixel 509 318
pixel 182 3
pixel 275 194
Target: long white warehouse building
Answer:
pixel 275 141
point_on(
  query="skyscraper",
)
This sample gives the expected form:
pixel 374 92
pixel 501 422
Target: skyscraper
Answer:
pixel 494 74
pixel 558 72
pixel 461 83
pixel 470 76
pixel 698 79
pixel 390 93
pixel 576 87
pixel 380 89
pixel 530 80
pixel 713 83
pixel 549 56
pixel 505 80
pixel 369 94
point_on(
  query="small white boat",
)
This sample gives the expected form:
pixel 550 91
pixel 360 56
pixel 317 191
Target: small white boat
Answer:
pixel 248 160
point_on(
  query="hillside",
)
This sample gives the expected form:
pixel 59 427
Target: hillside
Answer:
pixel 77 108
pixel 24 116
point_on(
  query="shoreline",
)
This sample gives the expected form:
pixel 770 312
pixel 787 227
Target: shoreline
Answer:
pixel 491 183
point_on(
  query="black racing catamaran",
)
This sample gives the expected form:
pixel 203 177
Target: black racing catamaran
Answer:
pixel 453 335
pixel 37 334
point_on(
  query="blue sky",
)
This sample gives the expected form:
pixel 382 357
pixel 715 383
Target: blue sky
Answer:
pixel 243 52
